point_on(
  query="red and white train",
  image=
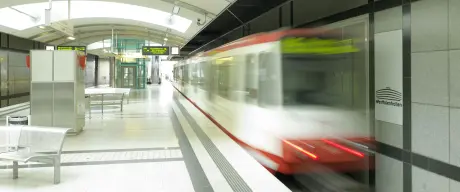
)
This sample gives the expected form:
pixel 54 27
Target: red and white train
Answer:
pixel 282 96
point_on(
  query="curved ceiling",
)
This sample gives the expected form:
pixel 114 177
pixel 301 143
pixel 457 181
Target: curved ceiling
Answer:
pixel 93 21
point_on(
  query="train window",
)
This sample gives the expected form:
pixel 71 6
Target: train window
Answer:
pixel 314 81
pixel 267 79
pixel 186 74
pixel 193 74
pixel 202 74
pixel 221 76
pixel 251 80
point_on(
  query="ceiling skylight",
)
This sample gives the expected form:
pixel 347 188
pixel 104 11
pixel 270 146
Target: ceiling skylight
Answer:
pixel 33 15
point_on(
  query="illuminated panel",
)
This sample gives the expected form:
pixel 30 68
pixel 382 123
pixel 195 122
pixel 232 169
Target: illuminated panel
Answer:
pixel 155 50
pixel 304 45
pixel 71 48
pixel 174 50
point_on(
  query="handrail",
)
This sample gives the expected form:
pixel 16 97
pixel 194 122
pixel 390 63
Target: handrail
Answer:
pixel 14 108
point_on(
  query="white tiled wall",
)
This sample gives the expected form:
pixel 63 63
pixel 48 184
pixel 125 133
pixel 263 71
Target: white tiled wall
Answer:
pixel 389 133
pixel 454 136
pixel 454 24
pixel 425 181
pixel 454 186
pixel 429 78
pixel 430 131
pixel 388 20
pixel 435 89
pixel 389 174
pixel 454 77
pixel 429 25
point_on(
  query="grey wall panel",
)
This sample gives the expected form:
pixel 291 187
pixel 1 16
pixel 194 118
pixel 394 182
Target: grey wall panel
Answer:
pixel 20 43
pixel 307 11
pixel 64 107
pixel 19 100
pixel 234 35
pixel 286 15
pixel 18 73
pixel 17 59
pixel 388 20
pixel 89 71
pixel 3 73
pixel 267 22
pixel 41 103
pixel 3 40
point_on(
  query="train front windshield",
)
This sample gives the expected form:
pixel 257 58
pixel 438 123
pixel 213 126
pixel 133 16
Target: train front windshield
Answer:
pixel 317 71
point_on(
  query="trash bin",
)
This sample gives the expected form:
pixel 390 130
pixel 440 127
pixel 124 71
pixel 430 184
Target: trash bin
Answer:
pixel 17 120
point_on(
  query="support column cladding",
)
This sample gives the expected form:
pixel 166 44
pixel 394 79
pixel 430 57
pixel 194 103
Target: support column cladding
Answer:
pixel 57 96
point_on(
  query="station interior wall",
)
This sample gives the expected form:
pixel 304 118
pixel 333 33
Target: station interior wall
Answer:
pixel 419 155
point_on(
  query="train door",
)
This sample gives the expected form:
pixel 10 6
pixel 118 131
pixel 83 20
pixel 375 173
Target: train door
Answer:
pixel 268 80
pixel 251 79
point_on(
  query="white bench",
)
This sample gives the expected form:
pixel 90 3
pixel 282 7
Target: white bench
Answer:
pixel 32 144
pixel 107 96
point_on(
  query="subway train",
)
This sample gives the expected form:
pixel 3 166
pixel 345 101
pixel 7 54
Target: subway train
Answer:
pixel 284 96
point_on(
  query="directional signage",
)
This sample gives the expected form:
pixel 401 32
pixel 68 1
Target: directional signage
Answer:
pixel 155 50
pixel 72 48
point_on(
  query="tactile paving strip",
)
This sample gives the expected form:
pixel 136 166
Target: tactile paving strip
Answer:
pixel 230 174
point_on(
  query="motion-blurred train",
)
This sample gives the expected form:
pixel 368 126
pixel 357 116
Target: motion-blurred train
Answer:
pixel 284 97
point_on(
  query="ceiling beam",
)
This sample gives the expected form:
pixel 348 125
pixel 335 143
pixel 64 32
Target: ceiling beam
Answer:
pixel 109 27
pixel 107 33
pixel 101 36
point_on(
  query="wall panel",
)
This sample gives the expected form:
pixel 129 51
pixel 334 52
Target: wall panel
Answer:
pixel 20 43
pixel 308 11
pixel 267 22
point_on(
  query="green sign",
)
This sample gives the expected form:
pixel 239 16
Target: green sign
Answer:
pixel 72 48
pixel 155 50
pixel 301 45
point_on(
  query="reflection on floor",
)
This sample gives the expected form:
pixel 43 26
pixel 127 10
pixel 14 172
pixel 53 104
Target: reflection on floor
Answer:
pixel 134 150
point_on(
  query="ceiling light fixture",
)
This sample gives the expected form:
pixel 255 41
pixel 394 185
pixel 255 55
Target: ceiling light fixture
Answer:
pixel 166 39
pixel 176 9
pixel 71 38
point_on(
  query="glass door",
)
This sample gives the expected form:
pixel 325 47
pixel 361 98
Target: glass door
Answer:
pixel 128 77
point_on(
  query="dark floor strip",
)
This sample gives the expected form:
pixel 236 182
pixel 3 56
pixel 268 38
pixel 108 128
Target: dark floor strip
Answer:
pixel 199 180
pixel 97 163
pixel 230 174
pixel 120 150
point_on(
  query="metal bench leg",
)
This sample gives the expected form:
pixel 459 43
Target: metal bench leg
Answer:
pixel 15 169
pixel 57 170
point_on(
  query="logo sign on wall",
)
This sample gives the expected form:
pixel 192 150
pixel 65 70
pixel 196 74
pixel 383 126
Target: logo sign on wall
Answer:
pixel 388 96
pixel 388 77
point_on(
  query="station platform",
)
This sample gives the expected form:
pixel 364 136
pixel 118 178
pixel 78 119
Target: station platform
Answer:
pixel 160 142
